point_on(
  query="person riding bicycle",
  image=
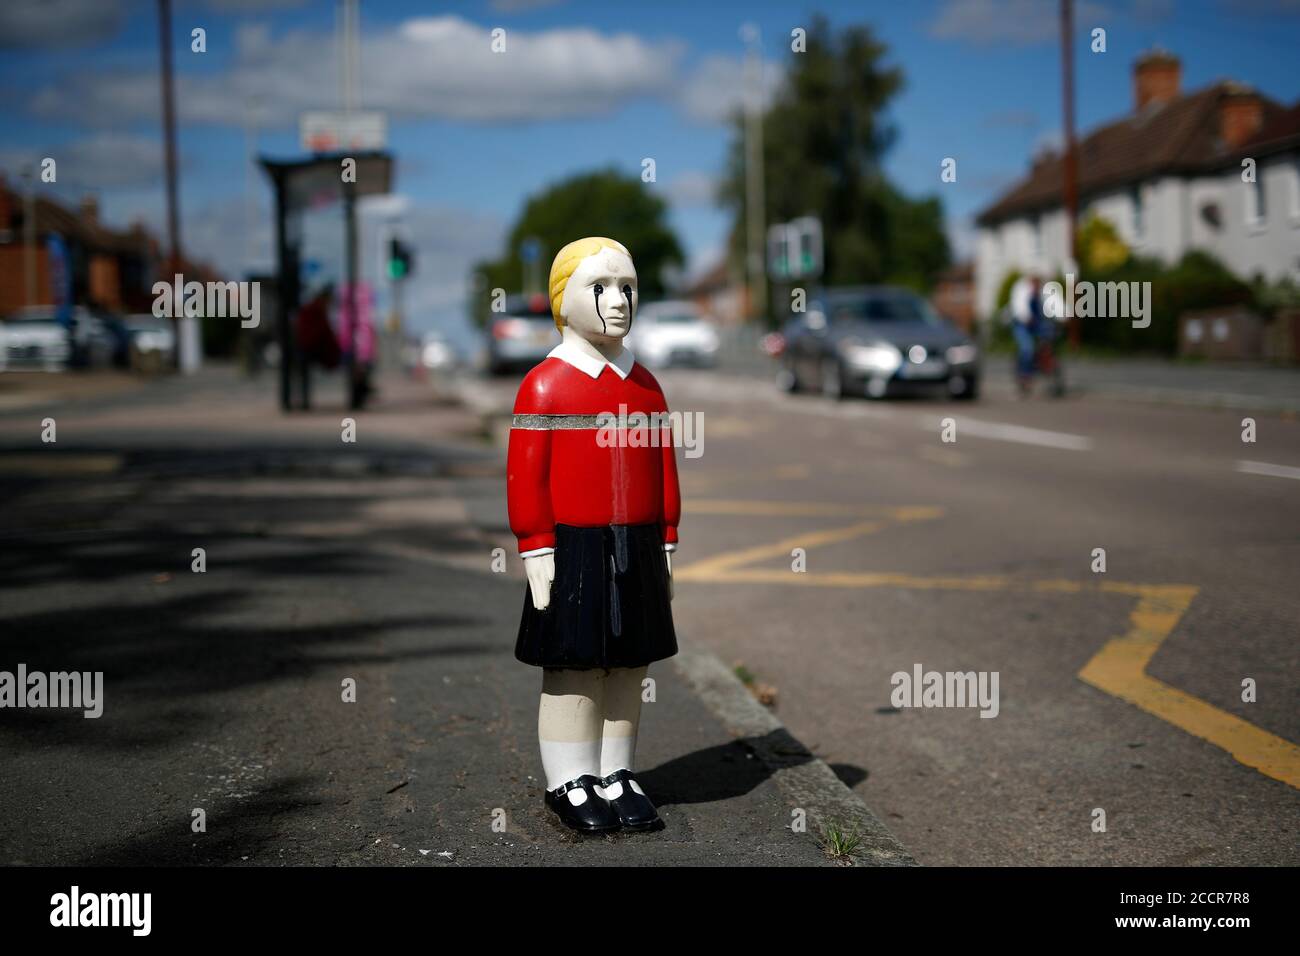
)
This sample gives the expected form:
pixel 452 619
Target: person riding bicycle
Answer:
pixel 1026 313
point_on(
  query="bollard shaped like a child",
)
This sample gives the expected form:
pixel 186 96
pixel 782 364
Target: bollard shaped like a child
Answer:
pixel 596 522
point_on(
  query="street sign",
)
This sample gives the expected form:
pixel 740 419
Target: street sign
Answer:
pixel 806 246
pixel 794 249
pixel 329 131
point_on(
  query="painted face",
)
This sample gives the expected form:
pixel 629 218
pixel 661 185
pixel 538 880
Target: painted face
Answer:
pixel 600 299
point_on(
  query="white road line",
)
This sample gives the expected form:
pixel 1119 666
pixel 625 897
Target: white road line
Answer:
pixel 1264 468
pixel 1001 431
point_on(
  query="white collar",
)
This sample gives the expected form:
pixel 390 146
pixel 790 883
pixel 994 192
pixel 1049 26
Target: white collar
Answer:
pixel 593 365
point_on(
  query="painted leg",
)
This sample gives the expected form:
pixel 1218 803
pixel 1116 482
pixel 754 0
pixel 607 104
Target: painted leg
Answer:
pixel 622 717
pixel 569 720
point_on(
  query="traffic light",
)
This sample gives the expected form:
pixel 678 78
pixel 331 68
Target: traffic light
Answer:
pixel 399 259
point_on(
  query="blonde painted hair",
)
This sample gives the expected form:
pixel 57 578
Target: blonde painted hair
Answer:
pixel 566 263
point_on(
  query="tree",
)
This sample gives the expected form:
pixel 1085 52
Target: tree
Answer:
pixel 601 203
pixel 824 138
pixel 1099 246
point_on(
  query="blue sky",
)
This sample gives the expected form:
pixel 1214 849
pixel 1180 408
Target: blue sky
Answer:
pixel 581 85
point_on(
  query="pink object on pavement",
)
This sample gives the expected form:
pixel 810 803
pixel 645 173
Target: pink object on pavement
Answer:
pixel 365 338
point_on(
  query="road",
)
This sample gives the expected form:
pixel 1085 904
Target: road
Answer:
pixel 992 570
pixel 1119 691
pixel 336 683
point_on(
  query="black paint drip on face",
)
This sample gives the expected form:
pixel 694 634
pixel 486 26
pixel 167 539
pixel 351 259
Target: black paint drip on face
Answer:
pixel 598 290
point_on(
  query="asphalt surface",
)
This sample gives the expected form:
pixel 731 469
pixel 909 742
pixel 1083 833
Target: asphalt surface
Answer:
pixel 977 555
pixel 1118 692
pixel 970 589
pixel 326 563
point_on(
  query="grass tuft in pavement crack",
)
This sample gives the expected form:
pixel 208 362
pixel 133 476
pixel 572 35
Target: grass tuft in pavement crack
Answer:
pixel 840 843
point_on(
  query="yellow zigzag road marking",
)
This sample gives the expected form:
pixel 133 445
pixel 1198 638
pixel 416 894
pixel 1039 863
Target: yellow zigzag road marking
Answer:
pixel 1119 668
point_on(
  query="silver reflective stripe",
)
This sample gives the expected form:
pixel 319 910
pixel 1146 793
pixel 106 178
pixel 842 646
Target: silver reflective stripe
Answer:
pixel 554 422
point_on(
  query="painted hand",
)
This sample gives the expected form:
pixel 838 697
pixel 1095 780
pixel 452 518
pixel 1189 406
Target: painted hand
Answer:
pixel 540 569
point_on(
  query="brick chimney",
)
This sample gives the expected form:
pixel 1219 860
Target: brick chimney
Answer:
pixel 1241 113
pixel 89 208
pixel 1156 79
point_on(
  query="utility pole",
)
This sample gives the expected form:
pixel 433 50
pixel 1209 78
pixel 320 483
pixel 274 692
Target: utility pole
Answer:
pixel 1071 159
pixel 189 351
pixel 169 132
pixel 348 71
pixel 754 200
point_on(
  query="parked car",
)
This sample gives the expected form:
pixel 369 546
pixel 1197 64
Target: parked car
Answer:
pixel 436 353
pixel 673 333
pixel 875 340
pixel 520 337
pixel 153 340
pixel 35 339
pixel 91 342
pixel 112 329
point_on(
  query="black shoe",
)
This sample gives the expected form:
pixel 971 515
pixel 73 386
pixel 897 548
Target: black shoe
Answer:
pixel 635 811
pixel 593 815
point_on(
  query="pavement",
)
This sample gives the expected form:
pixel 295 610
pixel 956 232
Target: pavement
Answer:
pixel 1145 712
pixel 226 739
pixel 1253 386
pixel 1146 707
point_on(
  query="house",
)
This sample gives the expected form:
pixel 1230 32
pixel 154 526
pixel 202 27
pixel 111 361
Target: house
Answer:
pixel 106 267
pixel 721 293
pixel 1170 176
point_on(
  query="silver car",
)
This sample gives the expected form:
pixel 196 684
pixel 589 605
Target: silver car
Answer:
pixel 673 333
pixel 876 340
pixel 35 340
pixel 521 336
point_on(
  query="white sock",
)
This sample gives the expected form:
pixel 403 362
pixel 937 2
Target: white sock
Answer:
pixel 563 761
pixel 569 727
pixel 622 718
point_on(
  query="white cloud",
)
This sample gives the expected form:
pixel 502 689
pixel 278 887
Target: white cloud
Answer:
pixel 1014 22
pixel 101 160
pixel 44 24
pixel 715 90
pixel 692 188
pixel 439 67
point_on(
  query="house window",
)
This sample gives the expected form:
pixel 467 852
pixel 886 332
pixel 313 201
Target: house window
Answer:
pixel 1255 208
pixel 1139 212
pixel 1037 227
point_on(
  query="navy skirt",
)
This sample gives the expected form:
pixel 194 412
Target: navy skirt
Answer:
pixel 609 602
